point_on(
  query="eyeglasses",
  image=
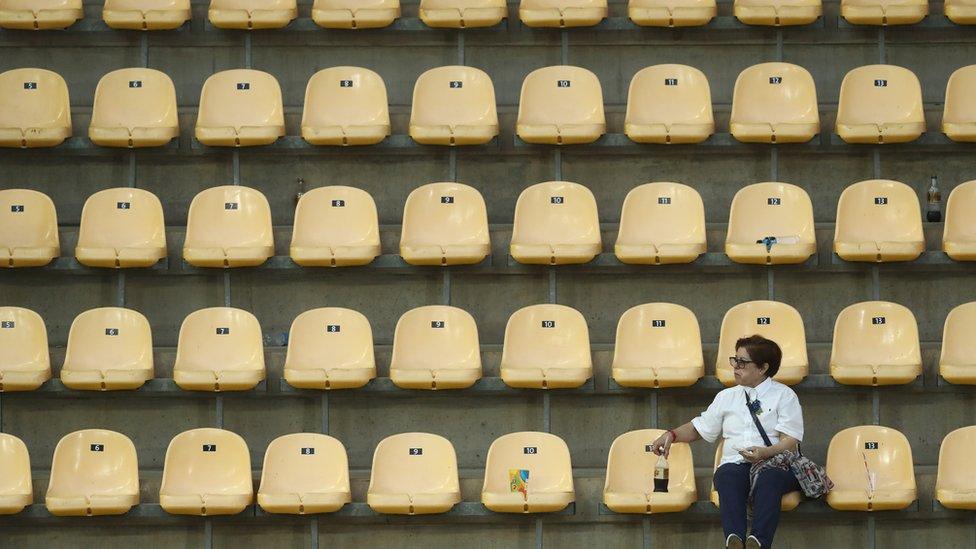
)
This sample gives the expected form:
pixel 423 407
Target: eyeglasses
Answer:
pixel 738 363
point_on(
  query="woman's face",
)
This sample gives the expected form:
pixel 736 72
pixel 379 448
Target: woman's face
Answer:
pixel 747 372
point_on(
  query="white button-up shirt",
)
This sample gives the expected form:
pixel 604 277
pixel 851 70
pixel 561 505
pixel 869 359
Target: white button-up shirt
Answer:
pixel 728 416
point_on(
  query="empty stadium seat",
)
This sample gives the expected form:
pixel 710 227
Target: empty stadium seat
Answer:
pixel 959 113
pixel 413 474
pixel 629 487
pixel 206 472
pixel 562 13
pixel 671 13
pixel 121 227
pixel 35 110
pixel 546 347
pixel 355 14
pixel 669 104
pixel 657 345
pixel 304 473
pixel 220 349
pixel 959 232
pixel 94 472
pixel 335 226
pixel 880 104
pixel 345 106
pixel 957 363
pixel 109 348
pixel 960 12
pixel 774 103
pixel 463 13
pixel 777 12
pixel 556 223
pixel 252 14
pixel 239 108
pixel 771 319
pixel 955 485
pixel 769 224
pixel 146 14
pixel 134 108
pixel 878 220
pixel 661 223
pixel 875 343
pixel 561 105
pixel 444 224
pixel 25 363
pixel 453 105
pixel 28 229
pixel 872 469
pixel 789 502
pixel 547 483
pixel 435 347
pixel 228 226
pixel 16 489
pixel 884 12
pixel 330 348
pixel 40 14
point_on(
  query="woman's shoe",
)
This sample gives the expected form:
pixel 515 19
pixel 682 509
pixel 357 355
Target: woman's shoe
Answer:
pixel 753 543
pixel 733 542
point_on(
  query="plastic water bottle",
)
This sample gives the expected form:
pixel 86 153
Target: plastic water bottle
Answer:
pixel 661 475
pixel 933 212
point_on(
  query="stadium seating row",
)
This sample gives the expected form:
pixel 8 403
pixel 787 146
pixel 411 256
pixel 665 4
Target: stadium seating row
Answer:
pixel 546 346
pixel 208 472
pixel 455 105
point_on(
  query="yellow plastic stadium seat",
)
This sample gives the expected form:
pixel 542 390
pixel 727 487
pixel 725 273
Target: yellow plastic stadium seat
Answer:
pixel 957 363
pixel 94 472
pixel 884 12
pixel 955 485
pixel 335 226
pixel 40 14
pixel 959 233
pixel 109 348
pixel 460 14
pixel 206 472
pixel 435 347
pixel 134 108
pixel 304 473
pixel 121 227
pixel 355 14
pixel 146 14
pixel 878 220
pixel 345 106
pixel 228 226
pixel 252 14
pixel 872 469
pixel 777 12
pixel 774 103
pixel 35 110
pixel 669 104
pixel 562 13
pixel 28 229
pixel 789 502
pixel 240 108
pixel 25 362
pixel 453 105
pixel 543 458
pixel 671 13
pixel 959 114
pixel 546 347
pixel 445 224
pixel 762 212
pixel 561 105
pixel 658 345
pixel 413 474
pixel 330 348
pixel 875 343
pixel 661 223
pixel 556 223
pixel 629 487
pixel 880 104
pixel 220 349
pixel 773 320
pixel 16 489
pixel 960 12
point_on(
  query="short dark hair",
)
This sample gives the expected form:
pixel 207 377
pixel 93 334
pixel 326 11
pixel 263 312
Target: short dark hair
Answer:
pixel 762 351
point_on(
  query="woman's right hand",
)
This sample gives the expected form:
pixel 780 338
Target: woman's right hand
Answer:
pixel 662 445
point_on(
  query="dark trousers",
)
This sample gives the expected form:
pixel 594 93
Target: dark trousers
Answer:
pixel 732 484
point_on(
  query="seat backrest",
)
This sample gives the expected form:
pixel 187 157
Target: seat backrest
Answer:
pixel 960 219
pixel 147 5
pixel 549 334
pixel 880 94
pixel 875 333
pixel 33 98
pixel 958 343
pixel 773 320
pixel 305 463
pixel 556 212
pixel 960 105
pixel 345 96
pixel 336 216
pixel 109 338
pixel 27 220
pixel 775 93
pixel 662 213
pixel 219 338
pixel 454 96
pixel 135 98
pixel 631 464
pixel 544 455
pixel 23 338
pixel 770 209
pixel 94 462
pixel 560 4
pixel 669 94
pixel 435 336
pixel 239 98
pixel 125 217
pixel 442 214
pixel 414 463
pixel 659 334
pixel 15 464
pixel 333 335
pixel 207 461
pixel 561 95
pixel 856 451
pixel 955 461
pixel 229 216
pixel 878 210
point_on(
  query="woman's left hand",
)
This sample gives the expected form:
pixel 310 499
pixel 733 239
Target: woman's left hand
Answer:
pixel 754 453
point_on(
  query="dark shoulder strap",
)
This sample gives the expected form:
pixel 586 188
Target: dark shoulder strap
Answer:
pixel 755 420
